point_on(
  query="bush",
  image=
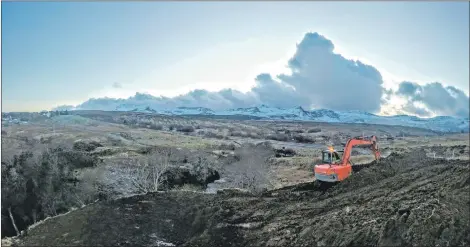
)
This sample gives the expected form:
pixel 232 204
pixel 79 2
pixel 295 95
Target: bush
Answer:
pixel 278 137
pixel 35 186
pixel 145 150
pixel 225 146
pixel 156 126
pixel 147 175
pixel 77 159
pixel 251 170
pixel 86 146
pixel 155 171
pixel 286 131
pixel 211 134
pixel 180 128
pixel 186 129
pixel 303 139
pixel 314 130
pixel 235 133
pixel 285 152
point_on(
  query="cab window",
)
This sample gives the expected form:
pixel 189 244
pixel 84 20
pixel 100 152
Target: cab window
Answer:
pixel 326 158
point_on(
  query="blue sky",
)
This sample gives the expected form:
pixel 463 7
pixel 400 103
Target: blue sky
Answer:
pixel 56 53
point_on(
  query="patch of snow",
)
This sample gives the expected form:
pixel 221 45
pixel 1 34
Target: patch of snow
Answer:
pixel 213 187
pixel 220 181
pixel 160 242
pixel 441 123
pixel 246 225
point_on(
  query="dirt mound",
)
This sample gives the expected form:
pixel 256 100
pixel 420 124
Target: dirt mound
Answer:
pixel 403 200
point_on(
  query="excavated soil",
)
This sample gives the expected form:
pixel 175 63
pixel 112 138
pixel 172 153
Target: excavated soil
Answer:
pixel 404 200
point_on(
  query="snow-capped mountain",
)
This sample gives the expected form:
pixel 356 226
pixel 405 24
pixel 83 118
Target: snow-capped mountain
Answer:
pixel 441 123
pixel 191 111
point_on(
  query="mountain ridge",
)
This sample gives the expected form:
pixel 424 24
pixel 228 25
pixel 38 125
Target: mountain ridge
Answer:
pixel 438 123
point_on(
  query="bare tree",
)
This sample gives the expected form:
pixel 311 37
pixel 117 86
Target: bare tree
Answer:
pixel 146 174
pixel 252 170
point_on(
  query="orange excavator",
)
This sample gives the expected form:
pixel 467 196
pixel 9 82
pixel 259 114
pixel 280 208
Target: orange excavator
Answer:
pixel 335 168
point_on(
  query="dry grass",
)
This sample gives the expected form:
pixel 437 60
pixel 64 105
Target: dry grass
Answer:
pixel 212 135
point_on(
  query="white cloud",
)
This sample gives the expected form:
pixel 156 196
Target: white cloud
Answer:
pixel 315 74
pixel 434 98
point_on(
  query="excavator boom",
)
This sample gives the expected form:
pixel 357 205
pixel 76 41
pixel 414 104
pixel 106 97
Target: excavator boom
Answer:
pixel 360 141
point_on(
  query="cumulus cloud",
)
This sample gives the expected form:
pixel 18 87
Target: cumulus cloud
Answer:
pixel 276 94
pixel 223 99
pixel 328 80
pixel 318 78
pixel 434 98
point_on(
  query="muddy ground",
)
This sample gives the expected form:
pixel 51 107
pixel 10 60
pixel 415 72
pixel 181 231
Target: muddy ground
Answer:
pixel 405 200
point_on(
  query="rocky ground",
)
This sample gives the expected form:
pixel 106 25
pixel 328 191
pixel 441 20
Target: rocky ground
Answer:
pixel 407 199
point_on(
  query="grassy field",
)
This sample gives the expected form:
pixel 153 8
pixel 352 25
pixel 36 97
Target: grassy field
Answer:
pixel 126 134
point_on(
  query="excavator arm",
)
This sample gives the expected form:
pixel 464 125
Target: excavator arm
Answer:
pixel 360 141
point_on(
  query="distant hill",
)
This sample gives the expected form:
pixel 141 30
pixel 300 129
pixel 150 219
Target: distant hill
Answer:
pixel 440 123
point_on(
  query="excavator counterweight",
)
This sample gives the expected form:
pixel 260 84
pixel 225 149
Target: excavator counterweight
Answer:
pixel 336 167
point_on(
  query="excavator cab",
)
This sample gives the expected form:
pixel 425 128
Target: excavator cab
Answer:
pixel 330 169
pixel 331 157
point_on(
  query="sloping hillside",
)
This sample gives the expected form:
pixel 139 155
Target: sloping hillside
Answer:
pixel 404 200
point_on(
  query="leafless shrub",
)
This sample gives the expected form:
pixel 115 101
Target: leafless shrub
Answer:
pixel 114 140
pixel 251 171
pixel 88 188
pixel 126 135
pixel 211 134
pixel 254 135
pixel 225 146
pixel 157 171
pixel 245 134
pixel 146 174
